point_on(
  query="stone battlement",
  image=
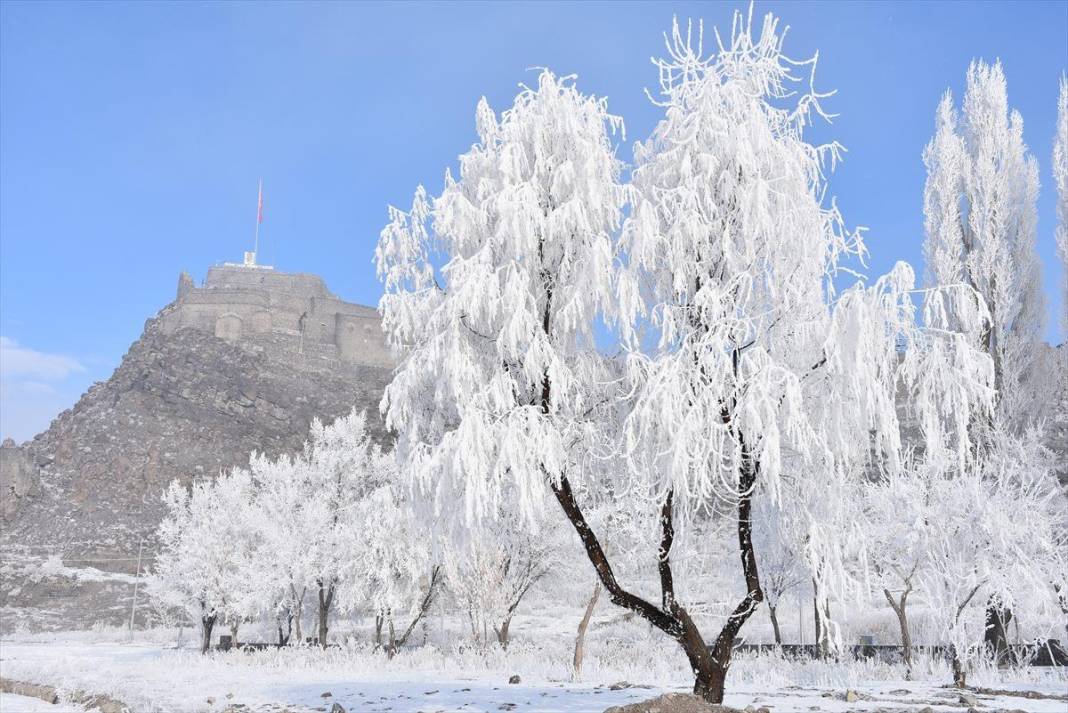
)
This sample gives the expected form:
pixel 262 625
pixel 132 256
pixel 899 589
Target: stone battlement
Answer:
pixel 251 304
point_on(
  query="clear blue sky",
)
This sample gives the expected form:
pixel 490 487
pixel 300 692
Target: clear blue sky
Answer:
pixel 132 137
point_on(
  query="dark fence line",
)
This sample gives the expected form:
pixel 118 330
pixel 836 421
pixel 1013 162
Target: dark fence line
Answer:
pixel 1047 653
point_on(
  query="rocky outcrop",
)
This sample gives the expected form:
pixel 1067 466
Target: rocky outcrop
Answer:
pixel 183 404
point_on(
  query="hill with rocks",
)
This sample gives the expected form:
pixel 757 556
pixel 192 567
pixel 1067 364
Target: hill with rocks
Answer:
pixel 242 363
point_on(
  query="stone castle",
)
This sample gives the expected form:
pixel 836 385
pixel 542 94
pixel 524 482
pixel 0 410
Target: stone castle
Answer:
pixel 249 302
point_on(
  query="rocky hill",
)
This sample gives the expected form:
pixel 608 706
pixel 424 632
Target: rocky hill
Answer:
pixel 243 363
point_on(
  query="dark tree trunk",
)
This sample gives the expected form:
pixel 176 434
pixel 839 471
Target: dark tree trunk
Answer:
pixel 775 624
pixel 710 666
pixel 207 624
pixel 379 620
pixel 823 633
pixel 996 637
pixel 326 599
pixel 903 623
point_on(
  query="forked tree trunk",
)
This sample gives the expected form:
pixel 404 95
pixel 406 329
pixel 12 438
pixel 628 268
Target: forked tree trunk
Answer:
pixel 898 606
pixel 326 599
pixel 234 626
pixel 502 632
pixel 580 638
pixel 775 624
pixel 709 664
pixel 207 624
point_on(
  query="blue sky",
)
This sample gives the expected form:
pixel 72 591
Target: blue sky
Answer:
pixel 132 137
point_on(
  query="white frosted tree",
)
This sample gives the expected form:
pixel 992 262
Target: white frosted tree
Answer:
pixel 980 223
pixel 978 547
pixel 395 572
pixel 747 375
pixel 205 552
pixel 765 384
pixel 491 572
pixel 898 511
pixel 309 516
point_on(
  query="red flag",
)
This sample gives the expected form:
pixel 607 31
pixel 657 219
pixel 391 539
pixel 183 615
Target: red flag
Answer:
pixel 259 210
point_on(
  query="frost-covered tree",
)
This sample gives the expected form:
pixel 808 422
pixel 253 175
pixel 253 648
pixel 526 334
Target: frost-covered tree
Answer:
pixel 781 566
pixel 204 560
pixel 308 512
pixel 765 384
pixel 491 573
pixel 494 389
pixel 899 508
pixel 747 375
pixel 980 223
pixel 395 573
pixel 978 547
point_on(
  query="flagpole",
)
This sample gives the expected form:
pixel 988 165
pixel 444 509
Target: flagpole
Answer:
pixel 259 219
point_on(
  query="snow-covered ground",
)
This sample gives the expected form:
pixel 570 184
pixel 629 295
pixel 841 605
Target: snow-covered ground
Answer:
pixel 11 703
pixel 151 675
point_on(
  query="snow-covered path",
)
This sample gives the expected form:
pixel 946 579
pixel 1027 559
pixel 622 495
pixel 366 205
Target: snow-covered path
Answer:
pixel 155 679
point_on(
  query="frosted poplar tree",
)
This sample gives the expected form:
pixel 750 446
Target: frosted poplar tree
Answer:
pixel 1059 367
pixel 980 223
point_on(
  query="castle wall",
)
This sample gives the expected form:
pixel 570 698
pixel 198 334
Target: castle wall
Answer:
pixel 239 304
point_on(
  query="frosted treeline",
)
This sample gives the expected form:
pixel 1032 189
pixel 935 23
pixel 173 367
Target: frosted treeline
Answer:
pixel 675 375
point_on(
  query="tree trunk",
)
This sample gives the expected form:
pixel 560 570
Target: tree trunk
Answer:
pixel 379 620
pixel 709 666
pixel 823 632
pixel 580 638
pixel 775 624
pixel 424 607
pixel 298 613
pixel 326 599
pixel 284 636
pixel 234 626
pixel 959 678
pixel 207 623
pixel 502 632
pixel 996 636
pixel 903 623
